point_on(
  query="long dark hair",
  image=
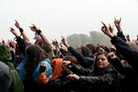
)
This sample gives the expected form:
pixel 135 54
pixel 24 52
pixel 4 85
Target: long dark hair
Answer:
pixel 41 43
pixel 34 55
pixel 95 69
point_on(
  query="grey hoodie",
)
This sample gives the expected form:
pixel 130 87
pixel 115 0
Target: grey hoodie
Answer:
pixel 5 78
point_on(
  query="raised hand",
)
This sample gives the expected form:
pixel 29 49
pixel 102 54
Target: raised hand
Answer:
pixel 56 43
pixel 107 30
pixel 111 28
pixel 104 44
pixel 98 43
pixel 12 30
pixel 117 23
pixel 137 40
pixel 17 24
pixel 3 42
pixel 112 55
pixel 33 28
pixel 128 37
pixel 63 40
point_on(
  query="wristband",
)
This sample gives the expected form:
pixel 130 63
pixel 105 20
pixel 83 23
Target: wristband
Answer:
pixel 38 32
pixel 21 30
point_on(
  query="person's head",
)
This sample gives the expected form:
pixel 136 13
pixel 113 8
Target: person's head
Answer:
pixel 35 52
pixel 34 55
pixel 101 61
pixel 41 43
pixel 84 50
pixel 92 48
pixel 71 58
pixel 5 53
pixel 100 48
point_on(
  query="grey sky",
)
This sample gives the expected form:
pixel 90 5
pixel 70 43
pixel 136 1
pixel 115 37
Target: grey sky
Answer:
pixel 66 17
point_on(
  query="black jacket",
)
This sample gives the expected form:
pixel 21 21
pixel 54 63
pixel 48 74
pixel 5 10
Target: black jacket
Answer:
pixel 85 61
pixel 127 52
pixel 131 57
pixel 108 81
pixel 128 80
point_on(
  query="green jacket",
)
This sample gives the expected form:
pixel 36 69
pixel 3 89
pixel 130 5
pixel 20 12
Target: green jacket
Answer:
pixel 5 57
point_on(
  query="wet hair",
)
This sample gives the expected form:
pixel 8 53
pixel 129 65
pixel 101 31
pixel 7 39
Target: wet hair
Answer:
pixel 34 55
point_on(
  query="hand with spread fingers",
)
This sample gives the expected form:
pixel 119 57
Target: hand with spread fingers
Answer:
pixel 117 23
pixel 34 28
pixel 14 32
pixel 107 30
pixel 17 24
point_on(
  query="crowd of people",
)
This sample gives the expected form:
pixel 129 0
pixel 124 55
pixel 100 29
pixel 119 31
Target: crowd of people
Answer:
pixel 45 66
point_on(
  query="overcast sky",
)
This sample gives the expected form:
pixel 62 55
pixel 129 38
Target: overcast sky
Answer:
pixel 66 17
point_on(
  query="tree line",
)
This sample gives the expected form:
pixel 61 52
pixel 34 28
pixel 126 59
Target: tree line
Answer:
pixel 94 37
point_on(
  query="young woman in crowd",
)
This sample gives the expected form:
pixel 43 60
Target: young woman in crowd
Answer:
pixel 104 77
pixel 130 55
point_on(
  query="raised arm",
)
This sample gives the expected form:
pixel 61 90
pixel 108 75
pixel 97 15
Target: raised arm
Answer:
pixel 26 39
pixel 128 38
pixel 37 30
pixel 137 40
pixel 127 52
pixel 106 30
pixel 59 46
pixel 19 40
pixel 14 32
pixel 117 23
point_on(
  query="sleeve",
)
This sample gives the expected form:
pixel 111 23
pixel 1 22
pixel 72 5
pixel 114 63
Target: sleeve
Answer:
pixel 123 48
pixel 80 70
pixel 123 68
pixel 64 52
pixel 86 63
pixel 121 35
pixel 106 79
pixel 21 44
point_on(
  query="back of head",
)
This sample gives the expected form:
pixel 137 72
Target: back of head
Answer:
pixel 5 54
pixel 85 51
pixel 41 43
pixel 91 47
pixel 34 51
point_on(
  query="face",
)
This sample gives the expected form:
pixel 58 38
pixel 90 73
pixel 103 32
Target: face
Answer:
pixel 102 61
